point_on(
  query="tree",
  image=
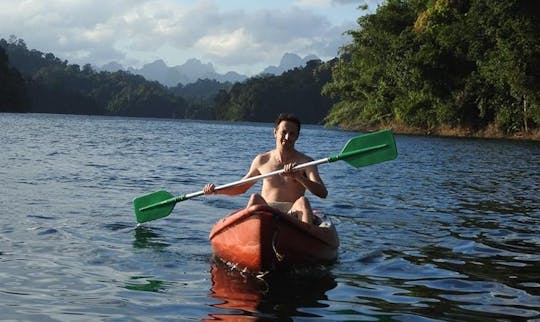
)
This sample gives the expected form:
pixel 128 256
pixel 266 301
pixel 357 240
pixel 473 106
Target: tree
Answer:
pixel 366 78
pixel 441 63
pixel 55 86
pixel 13 95
pixel 262 98
pixel 511 64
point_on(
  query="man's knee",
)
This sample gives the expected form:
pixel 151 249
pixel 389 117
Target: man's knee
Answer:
pixel 256 199
pixel 303 202
pixel 256 196
pixel 302 210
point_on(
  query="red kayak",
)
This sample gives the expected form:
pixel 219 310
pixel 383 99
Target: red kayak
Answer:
pixel 262 239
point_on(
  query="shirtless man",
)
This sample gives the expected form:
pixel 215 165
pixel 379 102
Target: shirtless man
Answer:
pixel 286 191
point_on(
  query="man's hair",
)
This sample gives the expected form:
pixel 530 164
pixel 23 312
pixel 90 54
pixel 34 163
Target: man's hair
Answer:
pixel 287 117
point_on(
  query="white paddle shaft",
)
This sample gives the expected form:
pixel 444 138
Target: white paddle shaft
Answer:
pixel 256 178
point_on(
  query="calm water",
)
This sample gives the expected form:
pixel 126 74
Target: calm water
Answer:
pixel 447 232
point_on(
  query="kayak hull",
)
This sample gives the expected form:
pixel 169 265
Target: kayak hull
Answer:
pixel 262 239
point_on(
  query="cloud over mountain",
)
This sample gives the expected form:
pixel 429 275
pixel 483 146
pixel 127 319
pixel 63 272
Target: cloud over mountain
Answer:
pixel 245 36
pixel 193 70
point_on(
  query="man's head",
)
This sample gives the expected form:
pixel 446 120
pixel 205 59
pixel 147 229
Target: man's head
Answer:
pixel 287 117
pixel 286 130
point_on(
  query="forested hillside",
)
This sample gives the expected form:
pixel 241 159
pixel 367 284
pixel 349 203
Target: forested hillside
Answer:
pixel 439 66
pixel 200 97
pixel 261 99
pixel 458 67
pixel 12 90
pixel 54 86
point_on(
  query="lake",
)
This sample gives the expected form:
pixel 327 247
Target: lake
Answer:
pixel 446 232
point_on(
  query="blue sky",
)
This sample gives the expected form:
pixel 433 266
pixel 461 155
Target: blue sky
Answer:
pixel 234 35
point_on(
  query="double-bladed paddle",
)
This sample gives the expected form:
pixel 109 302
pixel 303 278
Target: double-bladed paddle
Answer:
pixel 359 151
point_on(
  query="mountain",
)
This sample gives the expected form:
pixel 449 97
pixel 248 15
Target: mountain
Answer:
pixel 193 70
pixel 159 71
pixel 187 73
pixel 111 67
pixel 288 61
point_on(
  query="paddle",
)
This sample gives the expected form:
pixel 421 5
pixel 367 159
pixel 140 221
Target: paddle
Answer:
pixel 359 151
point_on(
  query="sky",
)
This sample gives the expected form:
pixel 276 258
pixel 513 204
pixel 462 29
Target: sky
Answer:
pixel 234 35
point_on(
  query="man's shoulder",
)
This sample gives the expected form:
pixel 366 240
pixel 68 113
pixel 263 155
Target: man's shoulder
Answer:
pixel 263 157
pixel 301 157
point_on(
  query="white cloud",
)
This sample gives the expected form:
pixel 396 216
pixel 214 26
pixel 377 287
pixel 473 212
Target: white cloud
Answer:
pixel 139 31
pixel 225 44
pixel 314 3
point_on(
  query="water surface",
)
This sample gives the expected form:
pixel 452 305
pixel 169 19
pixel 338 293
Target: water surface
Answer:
pixel 448 231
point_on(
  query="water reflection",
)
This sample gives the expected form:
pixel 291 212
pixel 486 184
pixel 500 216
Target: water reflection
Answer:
pixel 146 237
pixel 146 284
pixel 275 296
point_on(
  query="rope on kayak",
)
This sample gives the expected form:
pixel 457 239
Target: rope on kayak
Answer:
pixel 279 256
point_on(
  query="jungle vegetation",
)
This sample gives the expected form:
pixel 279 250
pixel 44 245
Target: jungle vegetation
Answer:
pixel 458 67
pixel 441 65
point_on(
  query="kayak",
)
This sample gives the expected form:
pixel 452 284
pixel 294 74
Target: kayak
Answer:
pixel 262 239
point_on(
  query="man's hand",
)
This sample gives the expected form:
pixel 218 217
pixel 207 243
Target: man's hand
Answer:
pixel 288 168
pixel 209 189
pixel 289 172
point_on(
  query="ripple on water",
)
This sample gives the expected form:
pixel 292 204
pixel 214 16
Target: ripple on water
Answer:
pixel 447 231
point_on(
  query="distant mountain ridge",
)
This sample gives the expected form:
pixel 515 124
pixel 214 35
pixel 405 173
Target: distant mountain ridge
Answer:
pixel 288 62
pixel 193 70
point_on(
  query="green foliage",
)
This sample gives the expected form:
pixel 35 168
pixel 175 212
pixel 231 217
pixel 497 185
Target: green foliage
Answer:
pixel 54 86
pixel 434 63
pixel 262 98
pixel 13 95
pixel 426 64
pixel 201 97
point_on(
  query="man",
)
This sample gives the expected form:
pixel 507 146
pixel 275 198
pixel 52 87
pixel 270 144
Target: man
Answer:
pixel 286 191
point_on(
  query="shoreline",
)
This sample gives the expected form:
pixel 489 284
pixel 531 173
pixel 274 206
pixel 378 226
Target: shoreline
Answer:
pixel 490 132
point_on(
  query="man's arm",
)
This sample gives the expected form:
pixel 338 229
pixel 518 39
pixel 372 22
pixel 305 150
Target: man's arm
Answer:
pixel 310 179
pixel 238 189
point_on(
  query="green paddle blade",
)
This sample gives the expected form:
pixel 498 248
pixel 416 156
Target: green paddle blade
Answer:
pixel 153 206
pixel 368 149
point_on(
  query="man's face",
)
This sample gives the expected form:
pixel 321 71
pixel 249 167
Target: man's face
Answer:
pixel 286 134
